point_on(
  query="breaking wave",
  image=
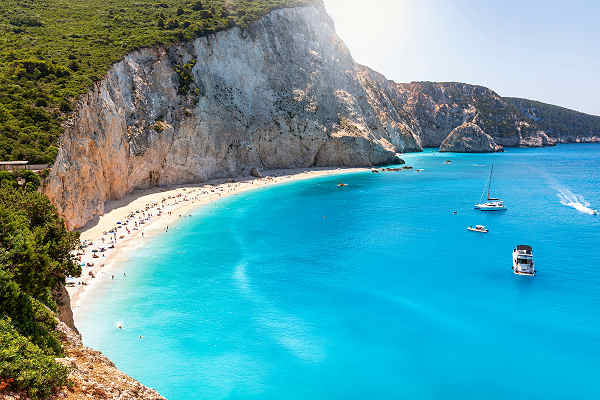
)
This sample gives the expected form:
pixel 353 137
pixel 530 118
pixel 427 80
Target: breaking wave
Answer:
pixel 570 199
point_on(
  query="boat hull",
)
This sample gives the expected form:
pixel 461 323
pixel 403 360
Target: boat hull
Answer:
pixel 532 274
pixel 477 230
pixel 488 208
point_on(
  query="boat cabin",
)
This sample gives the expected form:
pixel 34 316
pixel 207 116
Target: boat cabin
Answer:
pixel 525 250
pixel 523 260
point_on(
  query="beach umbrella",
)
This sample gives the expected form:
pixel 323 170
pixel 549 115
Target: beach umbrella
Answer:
pixel 95 251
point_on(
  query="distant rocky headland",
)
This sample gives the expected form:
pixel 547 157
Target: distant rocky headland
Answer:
pixel 441 107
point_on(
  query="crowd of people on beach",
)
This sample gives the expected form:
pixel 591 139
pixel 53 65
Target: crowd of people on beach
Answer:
pixel 92 253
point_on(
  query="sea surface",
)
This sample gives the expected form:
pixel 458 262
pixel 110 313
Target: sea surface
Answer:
pixel 372 291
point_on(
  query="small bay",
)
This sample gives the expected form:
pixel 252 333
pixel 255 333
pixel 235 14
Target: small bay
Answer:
pixel 372 290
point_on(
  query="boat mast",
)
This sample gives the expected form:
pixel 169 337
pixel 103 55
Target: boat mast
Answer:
pixel 490 181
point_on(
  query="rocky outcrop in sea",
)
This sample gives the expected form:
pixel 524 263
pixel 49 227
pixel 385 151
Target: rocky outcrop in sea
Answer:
pixel 469 138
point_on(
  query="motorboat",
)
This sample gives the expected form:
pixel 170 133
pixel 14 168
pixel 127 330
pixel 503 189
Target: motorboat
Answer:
pixel 478 228
pixel 490 203
pixel 523 260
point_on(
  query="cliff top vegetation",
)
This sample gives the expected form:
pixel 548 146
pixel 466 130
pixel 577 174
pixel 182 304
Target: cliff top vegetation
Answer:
pixel 555 119
pixel 52 51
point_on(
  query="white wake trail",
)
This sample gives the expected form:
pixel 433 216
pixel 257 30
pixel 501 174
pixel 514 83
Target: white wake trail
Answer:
pixel 570 199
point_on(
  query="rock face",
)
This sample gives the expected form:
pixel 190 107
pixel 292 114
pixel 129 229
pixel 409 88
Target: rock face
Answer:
pixel 255 172
pixel 560 124
pixel 439 107
pixel 469 138
pixel 283 93
pixel 95 376
pixel 63 301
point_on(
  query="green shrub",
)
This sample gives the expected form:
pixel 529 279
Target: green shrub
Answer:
pixel 30 178
pixel 26 366
pixel 26 20
pixel 35 257
pixel 65 106
pixel 186 79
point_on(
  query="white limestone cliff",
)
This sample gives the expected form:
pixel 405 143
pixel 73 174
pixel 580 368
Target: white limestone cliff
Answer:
pixel 283 93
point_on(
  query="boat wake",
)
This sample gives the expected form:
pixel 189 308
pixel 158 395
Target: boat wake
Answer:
pixel 570 199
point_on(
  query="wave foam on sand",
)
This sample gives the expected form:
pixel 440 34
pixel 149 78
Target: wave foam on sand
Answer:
pixel 570 199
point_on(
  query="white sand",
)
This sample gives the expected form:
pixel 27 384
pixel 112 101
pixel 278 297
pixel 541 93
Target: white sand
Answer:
pixel 173 204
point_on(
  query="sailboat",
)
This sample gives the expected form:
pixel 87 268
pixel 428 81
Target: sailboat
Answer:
pixel 492 203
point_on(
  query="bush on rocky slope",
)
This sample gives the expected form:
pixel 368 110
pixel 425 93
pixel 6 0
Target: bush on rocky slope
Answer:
pixel 34 258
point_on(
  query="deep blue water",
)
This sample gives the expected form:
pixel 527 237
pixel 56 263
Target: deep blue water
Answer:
pixel 373 291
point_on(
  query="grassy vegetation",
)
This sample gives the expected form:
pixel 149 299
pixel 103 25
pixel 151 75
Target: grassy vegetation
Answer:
pixel 557 121
pixel 34 258
pixel 496 117
pixel 52 51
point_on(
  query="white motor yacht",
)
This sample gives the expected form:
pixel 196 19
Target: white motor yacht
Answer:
pixel 523 260
pixel 478 228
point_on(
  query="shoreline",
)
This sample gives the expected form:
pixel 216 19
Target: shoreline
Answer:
pixel 143 214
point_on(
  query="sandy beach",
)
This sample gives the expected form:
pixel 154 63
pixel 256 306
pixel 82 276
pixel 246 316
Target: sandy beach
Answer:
pixel 127 223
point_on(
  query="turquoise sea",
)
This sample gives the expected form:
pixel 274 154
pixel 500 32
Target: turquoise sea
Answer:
pixel 372 291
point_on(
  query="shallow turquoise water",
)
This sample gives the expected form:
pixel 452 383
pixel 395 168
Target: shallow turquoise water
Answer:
pixel 373 291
